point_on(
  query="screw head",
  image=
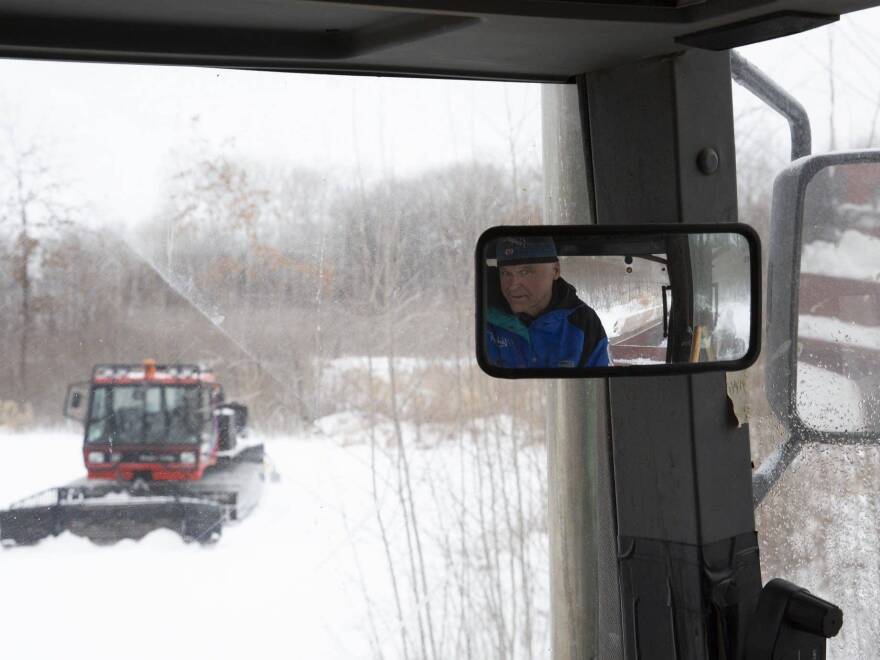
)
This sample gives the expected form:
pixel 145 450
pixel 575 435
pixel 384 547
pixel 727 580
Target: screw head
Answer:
pixel 708 161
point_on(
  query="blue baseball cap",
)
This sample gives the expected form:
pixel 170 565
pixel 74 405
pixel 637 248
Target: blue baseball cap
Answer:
pixel 515 250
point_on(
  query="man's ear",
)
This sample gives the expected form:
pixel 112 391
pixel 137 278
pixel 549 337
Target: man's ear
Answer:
pixel 556 270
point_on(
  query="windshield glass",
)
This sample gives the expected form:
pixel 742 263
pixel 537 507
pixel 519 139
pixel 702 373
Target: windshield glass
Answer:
pixel 135 414
pixel 308 240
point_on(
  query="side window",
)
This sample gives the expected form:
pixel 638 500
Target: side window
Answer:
pixel 820 524
pixel 183 414
pixel 97 415
pixel 192 410
pixel 154 416
pixel 175 410
pixel 99 404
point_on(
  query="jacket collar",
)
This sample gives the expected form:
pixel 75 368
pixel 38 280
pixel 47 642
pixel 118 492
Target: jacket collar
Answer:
pixel 564 297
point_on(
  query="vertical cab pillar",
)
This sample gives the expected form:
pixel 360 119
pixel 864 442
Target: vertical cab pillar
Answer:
pixel 689 572
pixel 584 610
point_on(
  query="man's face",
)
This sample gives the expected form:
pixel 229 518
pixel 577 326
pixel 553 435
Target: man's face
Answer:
pixel 528 288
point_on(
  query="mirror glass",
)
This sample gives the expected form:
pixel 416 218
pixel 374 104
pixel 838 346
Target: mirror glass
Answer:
pixel 838 384
pixel 580 299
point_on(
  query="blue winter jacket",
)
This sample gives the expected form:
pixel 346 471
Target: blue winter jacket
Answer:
pixel 567 334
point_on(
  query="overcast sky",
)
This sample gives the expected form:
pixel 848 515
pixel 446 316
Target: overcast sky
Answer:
pixel 803 63
pixel 121 129
pixel 117 131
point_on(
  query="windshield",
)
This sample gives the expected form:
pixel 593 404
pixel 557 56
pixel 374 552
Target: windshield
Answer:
pixel 136 414
pixel 308 239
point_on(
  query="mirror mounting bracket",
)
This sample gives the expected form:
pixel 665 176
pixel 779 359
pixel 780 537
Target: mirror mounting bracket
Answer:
pixel 770 92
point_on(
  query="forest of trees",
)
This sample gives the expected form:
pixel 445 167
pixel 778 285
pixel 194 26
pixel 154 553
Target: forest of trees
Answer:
pixel 264 275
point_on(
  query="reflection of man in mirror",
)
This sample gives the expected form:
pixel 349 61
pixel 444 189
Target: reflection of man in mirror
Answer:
pixel 538 321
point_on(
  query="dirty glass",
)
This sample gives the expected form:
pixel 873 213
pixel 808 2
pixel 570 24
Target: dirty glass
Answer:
pixel 98 415
pixel 154 415
pixel 307 241
pixel 130 405
pixel 839 302
pixel 182 413
pixel 820 524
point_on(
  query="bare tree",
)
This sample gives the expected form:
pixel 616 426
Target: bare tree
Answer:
pixel 33 207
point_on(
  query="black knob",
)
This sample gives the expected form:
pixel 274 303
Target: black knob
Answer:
pixel 811 613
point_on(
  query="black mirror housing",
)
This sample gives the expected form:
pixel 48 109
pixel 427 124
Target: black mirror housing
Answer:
pixel 788 298
pixel 77 393
pixel 595 301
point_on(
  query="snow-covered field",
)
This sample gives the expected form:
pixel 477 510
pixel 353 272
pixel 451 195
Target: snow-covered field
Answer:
pixel 307 575
pixel 854 256
pixel 827 328
pixel 840 412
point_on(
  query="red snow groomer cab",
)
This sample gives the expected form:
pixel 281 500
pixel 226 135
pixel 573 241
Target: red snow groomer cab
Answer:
pixel 155 422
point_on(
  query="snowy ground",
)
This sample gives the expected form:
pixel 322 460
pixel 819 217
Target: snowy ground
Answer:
pixel 825 521
pixel 305 576
pixel 854 256
pixel 271 588
pixel 826 328
pixel 840 412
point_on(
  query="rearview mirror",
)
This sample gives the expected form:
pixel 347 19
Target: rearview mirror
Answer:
pixel 590 301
